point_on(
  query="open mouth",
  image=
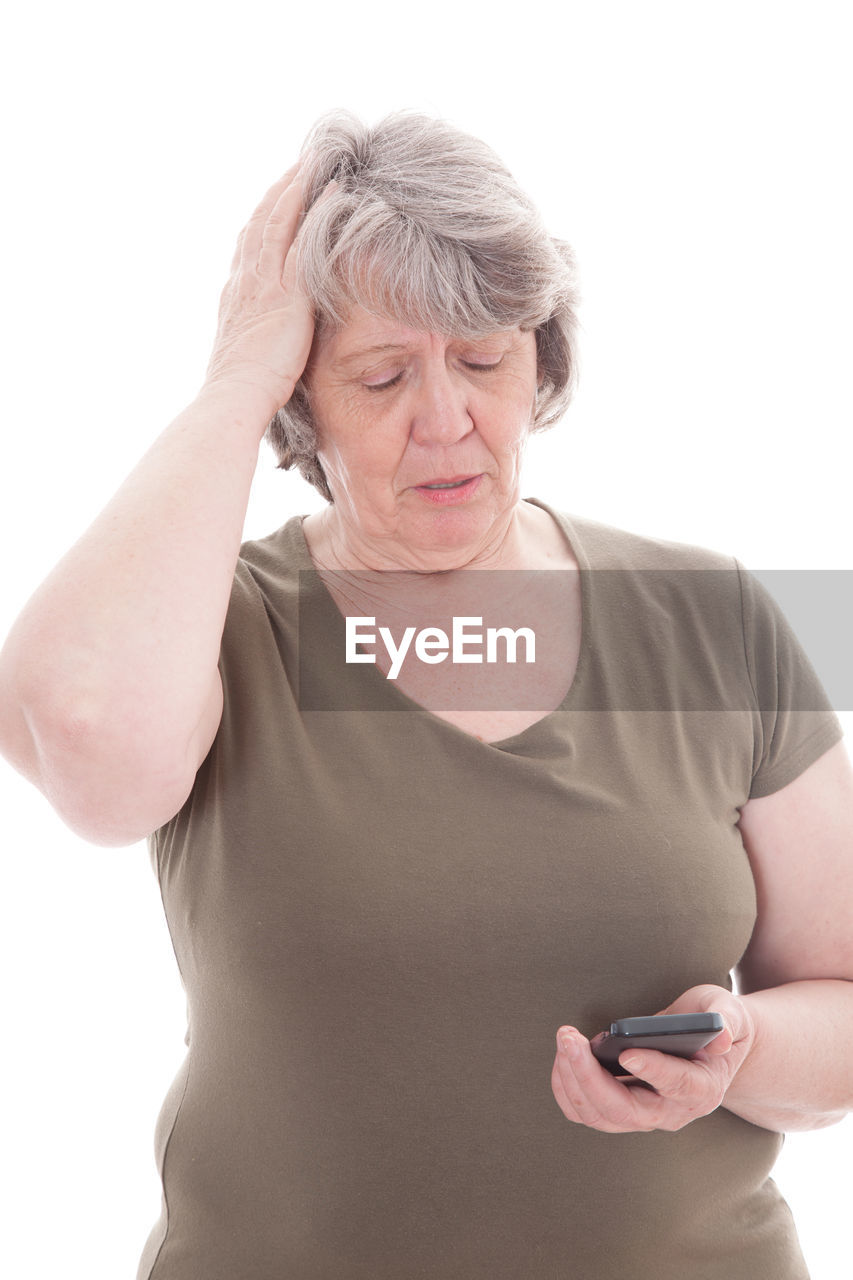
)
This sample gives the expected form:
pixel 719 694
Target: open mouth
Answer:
pixel 455 489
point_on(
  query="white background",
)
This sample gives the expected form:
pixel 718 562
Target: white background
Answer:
pixel 697 156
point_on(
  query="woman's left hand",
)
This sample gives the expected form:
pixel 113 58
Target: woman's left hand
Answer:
pixel 682 1089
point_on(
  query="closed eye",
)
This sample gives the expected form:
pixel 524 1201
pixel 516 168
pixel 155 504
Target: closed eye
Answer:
pixel 383 386
pixel 474 365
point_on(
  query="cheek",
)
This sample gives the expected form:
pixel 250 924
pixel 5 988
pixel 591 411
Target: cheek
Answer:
pixel 508 419
pixel 363 453
pixel 517 396
pixel 340 434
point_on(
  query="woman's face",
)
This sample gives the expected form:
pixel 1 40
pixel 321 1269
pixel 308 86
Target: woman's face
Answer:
pixel 421 437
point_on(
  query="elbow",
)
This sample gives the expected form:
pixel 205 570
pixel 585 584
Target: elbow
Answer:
pixel 806 1121
pixel 115 802
pixel 108 784
pixel 831 1118
pixel 114 759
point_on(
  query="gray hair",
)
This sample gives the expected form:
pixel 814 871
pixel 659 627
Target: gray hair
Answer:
pixel 425 226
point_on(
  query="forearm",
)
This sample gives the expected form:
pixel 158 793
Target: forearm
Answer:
pixel 799 1073
pixel 124 634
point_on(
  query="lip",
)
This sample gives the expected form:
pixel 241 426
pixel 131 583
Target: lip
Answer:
pixel 465 487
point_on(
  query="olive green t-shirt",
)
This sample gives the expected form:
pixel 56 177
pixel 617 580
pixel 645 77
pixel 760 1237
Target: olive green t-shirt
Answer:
pixel 381 921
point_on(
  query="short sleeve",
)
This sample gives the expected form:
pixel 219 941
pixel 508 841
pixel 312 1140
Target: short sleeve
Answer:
pixel 795 722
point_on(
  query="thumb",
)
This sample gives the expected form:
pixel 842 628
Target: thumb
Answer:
pixel 707 998
pixel 721 1043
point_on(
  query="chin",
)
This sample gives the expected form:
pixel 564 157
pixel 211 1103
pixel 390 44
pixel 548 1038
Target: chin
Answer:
pixel 463 527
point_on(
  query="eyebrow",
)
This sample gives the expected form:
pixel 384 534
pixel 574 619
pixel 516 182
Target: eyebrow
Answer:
pixel 355 356
pixel 380 348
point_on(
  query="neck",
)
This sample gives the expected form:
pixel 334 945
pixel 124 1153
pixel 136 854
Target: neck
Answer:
pixel 511 543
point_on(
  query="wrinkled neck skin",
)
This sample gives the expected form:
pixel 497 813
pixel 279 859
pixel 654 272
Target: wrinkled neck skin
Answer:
pixel 522 537
pixel 368 578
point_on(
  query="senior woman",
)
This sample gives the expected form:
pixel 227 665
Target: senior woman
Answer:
pixel 393 873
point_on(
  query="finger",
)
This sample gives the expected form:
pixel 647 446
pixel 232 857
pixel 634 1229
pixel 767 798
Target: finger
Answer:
pixel 568 1100
pixel 721 1043
pixel 288 271
pixel 561 1097
pixel 279 232
pixel 594 1096
pixel 694 1085
pixel 249 242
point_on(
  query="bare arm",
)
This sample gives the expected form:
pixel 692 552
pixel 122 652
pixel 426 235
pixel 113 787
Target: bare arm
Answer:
pixel 785 1058
pixel 797 974
pixel 109 689
pixel 798 1074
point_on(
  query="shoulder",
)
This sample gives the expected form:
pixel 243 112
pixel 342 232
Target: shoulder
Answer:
pixel 605 546
pixel 265 592
pixel 280 553
pixel 667 617
pixel 268 568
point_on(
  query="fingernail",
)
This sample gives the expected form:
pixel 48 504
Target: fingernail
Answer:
pixel 631 1064
pixel 569 1046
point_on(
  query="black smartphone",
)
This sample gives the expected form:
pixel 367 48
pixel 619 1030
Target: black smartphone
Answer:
pixel 682 1034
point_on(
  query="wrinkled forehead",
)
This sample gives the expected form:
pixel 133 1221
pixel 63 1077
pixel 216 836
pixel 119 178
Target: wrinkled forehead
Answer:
pixel 363 324
pixel 368 335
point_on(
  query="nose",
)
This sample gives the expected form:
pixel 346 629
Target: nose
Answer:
pixel 440 413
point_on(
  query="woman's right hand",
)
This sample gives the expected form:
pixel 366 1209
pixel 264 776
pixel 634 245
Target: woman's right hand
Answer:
pixel 266 324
